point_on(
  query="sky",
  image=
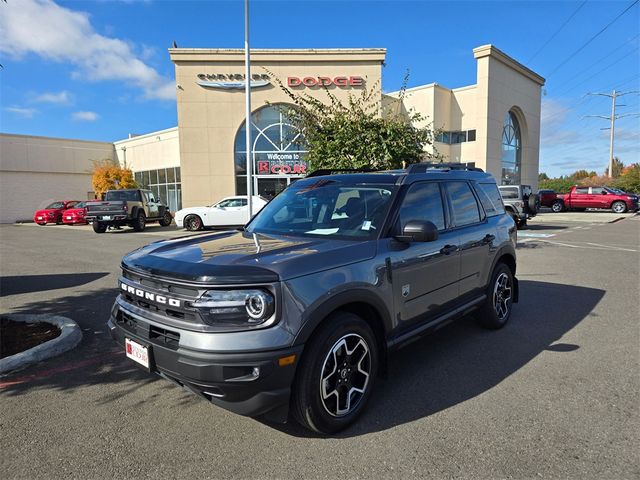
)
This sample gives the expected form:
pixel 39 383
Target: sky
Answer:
pixel 99 70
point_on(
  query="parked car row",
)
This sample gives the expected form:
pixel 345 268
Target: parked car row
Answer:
pixel 59 212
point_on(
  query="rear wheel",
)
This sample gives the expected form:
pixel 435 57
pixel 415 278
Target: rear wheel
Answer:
pixel 557 206
pixel 619 207
pixel 59 220
pixel 496 310
pixel 41 223
pixel 99 227
pixel 193 223
pixel 140 222
pixel 336 375
pixel 166 220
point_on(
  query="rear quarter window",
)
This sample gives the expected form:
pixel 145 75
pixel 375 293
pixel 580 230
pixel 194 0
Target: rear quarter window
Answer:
pixel 490 198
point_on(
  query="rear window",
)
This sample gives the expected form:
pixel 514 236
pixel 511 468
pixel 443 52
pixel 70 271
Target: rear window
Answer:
pixel 490 199
pixel 509 192
pixel 463 203
pixel 122 195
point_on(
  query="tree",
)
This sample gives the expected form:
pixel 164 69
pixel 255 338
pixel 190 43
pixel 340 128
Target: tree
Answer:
pixel 109 175
pixel 629 181
pixel 580 174
pixel 560 185
pixel 618 167
pixel 542 176
pixel 354 134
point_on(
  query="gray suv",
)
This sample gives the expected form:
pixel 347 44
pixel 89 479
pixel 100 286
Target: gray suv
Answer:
pixel 298 311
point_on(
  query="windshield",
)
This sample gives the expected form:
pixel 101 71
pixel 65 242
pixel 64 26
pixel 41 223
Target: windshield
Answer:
pixel 614 190
pixel 326 208
pixel 122 195
pixel 55 205
pixel 79 205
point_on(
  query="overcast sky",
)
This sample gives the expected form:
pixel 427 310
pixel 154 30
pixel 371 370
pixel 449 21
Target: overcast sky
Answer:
pixel 99 70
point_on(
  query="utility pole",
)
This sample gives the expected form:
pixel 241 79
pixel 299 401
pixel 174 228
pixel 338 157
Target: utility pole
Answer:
pixel 613 96
pixel 247 122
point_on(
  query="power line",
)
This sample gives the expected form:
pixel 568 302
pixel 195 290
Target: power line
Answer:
pixel 557 31
pixel 584 45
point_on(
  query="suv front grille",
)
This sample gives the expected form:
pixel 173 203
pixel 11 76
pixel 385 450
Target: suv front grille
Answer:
pixel 158 336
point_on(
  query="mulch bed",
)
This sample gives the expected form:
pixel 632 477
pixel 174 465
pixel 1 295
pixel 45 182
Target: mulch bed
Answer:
pixel 16 337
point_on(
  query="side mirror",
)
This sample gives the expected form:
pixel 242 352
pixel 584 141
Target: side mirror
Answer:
pixel 419 231
pixel 604 192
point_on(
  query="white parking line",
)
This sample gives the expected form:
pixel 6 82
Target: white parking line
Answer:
pixel 598 247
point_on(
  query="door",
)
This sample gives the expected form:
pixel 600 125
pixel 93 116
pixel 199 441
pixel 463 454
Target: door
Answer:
pixel 269 187
pixel 230 211
pixel 581 198
pixel 476 237
pixel 152 204
pixel 599 196
pixel 424 274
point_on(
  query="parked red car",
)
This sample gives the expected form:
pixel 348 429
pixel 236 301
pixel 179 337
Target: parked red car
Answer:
pixel 53 213
pixel 581 198
pixel 75 215
pixel 547 197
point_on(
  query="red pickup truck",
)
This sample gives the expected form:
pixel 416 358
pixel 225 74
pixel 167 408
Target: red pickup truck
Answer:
pixel 581 198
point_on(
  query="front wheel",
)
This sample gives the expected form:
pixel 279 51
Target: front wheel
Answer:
pixel 496 310
pixel 140 222
pixel 193 223
pixel 166 220
pixel 99 227
pixel 619 207
pixel 59 221
pixel 557 207
pixel 336 375
pixel 42 224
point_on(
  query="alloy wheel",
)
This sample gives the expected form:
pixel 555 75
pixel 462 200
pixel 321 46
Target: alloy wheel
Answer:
pixel 345 375
pixel 502 295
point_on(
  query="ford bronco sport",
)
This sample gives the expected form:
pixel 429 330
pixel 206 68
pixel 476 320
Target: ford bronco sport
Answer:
pixel 300 309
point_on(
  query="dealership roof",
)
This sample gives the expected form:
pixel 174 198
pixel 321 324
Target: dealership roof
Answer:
pixel 290 54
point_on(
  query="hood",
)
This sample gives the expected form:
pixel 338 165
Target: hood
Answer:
pixel 238 257
pixel 185 211
pixel 44 211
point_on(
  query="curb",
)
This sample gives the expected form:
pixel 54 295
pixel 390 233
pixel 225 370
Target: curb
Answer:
pixel 70 336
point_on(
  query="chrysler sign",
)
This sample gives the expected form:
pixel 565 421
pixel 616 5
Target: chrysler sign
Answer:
pixel 232 81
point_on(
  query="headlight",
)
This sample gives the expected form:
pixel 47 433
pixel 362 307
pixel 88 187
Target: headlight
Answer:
pixel 238 308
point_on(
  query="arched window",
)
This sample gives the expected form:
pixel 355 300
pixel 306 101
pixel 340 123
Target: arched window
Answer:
pixel 511 150
pixel 277 149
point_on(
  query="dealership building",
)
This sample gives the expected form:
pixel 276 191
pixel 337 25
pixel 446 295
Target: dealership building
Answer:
pixel 494 123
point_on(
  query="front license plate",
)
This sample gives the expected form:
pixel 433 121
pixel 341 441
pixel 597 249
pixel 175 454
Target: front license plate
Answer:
pixel 106 217
pixel 68 218
pixel 136 352
pixel 39 218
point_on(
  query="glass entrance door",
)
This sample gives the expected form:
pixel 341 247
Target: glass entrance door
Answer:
pixel 269 187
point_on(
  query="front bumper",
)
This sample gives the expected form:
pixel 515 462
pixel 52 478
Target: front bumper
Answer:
pixel 246 383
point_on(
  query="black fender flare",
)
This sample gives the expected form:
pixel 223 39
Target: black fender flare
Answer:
pixel 343 299
pixel 161 210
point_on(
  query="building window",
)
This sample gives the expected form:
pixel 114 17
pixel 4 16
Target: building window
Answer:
pixel 278 153
pixel 453 138
pixel 164 183
pixel 511 150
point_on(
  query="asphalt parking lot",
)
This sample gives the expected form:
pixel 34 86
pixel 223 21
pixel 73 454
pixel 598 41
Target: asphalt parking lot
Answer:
pixel 555 394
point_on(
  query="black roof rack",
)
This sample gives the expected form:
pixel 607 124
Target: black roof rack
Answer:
pixel 424 166
pixel 331 171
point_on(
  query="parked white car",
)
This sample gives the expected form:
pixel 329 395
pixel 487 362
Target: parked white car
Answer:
pixel 230 211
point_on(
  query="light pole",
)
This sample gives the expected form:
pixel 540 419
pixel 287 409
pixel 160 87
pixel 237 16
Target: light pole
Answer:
pixel 247 122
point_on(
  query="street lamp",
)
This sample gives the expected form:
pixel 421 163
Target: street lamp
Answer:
pixel 247 93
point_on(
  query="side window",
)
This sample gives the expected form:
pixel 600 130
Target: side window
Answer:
pixel 422 202
pixel 490 199
pixel 224 203
pixel 243 202
pixel 463 203
pixel 582 190
pixel 597 190
pixel 152 198
pixel 509 192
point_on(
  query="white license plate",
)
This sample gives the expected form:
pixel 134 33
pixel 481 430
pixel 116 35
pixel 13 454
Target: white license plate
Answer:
pixel 136 352
pixel 106 217
pixel 39 218
pixel 68 218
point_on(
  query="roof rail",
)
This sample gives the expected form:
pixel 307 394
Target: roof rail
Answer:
pixel 424 166
pixel 331 171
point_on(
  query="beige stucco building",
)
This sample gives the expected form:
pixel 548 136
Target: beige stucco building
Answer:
pixel 494 123
pixel 35 171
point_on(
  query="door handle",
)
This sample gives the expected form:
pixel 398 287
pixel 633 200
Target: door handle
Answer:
pixel 488 238
pixel 447 249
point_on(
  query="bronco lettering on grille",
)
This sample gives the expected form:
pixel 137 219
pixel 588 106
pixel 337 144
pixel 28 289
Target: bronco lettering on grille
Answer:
pixel 149 295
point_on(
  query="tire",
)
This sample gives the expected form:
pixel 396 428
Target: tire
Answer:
pixel 533 202
pixel 521 223
pixel 618 207
pixel 557 206
pixel 59 221
pixel 42 224
pixel 99 227
pixel 322 406
pixel 166 219
pixel 193 223
pixel 140 222
pixel 496 310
